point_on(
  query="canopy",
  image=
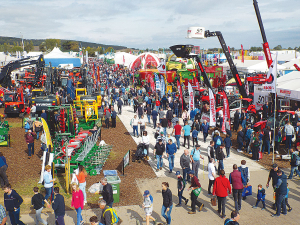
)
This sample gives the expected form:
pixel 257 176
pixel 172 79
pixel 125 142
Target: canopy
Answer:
pixel 232 82
pixel 145 61
pixel 123 58
pixel 57 57
pixel 57 53
pixel 288 85
pixel 4 59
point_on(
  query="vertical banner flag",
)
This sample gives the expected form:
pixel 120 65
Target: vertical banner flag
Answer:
pixel 162 66
pixel 212 109
pixel 157 82
pixel 191 97
pixel 229 49
pixel 246 85
pixel 87 57
pixel 162 85
pixel 225 111
pixel 196 83
pixel 242 54
pixel 180 92
pixel 151 81
pixel 271 75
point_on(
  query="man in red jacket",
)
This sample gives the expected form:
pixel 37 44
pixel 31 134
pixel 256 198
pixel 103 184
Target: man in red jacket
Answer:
pixel 237 180
pixel 29 138
pixel 221 189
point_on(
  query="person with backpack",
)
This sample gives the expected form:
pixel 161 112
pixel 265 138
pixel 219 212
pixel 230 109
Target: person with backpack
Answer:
pixel 235 217
pixel 195 158
pixel 245 173
pixel 108 215
pixel 217 140
pixel 236 179
pixel 228 144
pixel 148 206
pixel 220 156
pixel 295 162
pixel 180 186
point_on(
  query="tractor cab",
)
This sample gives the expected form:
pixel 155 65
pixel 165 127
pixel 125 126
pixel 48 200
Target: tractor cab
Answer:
pixel 14 103
pixel 243 104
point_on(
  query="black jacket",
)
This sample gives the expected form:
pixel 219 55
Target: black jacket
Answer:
pixel 220 153
pixel 37 201
pixel 164 122
pixel 14 200
pixel 59 205
pixel 169 114
pixel 167 198
pixel 160 149
pixel 107 193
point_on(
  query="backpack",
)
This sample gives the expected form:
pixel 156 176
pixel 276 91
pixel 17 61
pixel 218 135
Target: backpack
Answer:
pixel 227 221
pixel 218 142
pixel 114 216
pixel 297 161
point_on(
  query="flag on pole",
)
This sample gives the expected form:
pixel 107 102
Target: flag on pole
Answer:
pixel 196 83
pixel 162 85
pixel 180 92
pixel 272 74
pixel 157 82
pixel 191 97
pixel 225 111
pixel 212 109
pixel 242 54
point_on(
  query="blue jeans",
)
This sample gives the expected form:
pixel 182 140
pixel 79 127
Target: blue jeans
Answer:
pixel 159 161
pixel 82 188
pixel 171 162
pixel 168 216
pixel 221 122
pixel 177 137
pixel 288 141
pixel 37 135
pixel 266 144
pixel 176 112
pixel 154 123
pixel 60 220
pixel 293 169
pixel 280 202
pixel 180 196
pixel 205 136
pixel 79 216
pixel 185 175
pixel 15 217
pixel 157 108
pixel 135 128
pixel 244 124
pixel 38 216
pixel 148 116
pixel 165 131
pixel 221 166
pixel 129 102
pixel 49 192
pixel 30 149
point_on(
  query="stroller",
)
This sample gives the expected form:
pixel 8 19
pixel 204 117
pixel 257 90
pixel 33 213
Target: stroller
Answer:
pixel 140 153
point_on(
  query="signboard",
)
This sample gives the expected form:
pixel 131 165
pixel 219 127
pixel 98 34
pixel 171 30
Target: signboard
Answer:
pixel 260 96
pixel 196 32
pixel 205 116
pixel 126 159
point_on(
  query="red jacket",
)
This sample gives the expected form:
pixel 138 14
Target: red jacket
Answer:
pixel 221 187
pixel 29 137
pixel 77 199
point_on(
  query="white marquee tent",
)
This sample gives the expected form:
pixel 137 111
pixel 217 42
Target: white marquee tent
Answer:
pixel 123 58
pixel 289 85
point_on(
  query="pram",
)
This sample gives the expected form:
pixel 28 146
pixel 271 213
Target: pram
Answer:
pixel 140 153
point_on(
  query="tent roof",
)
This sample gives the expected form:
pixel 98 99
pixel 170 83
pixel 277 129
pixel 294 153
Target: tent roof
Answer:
pixel 290 64
pixel 56 53
pixel 288 85
pixel 6 59
pixel 124 58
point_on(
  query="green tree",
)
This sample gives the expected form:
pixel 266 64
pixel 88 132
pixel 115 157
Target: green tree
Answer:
pixel 6 47
pixel 51 43
pixel 278 47
pixel 70 46
pixel 290 48
pixel 16 49
pixel 29 46
pixel 42 47
pixel 109 49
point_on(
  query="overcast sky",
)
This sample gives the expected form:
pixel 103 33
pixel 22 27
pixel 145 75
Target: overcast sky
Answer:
pixel 152 24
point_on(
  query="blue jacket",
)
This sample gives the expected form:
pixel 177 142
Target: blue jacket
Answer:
pixel 171 149
pixel 281 186
pixel 194 133
pixel 113 114
pixel 216 139
pixel 227 142
pixel 154 114
pixel 205 128
pixel 261 194
pixel 14 200
pixel 59 205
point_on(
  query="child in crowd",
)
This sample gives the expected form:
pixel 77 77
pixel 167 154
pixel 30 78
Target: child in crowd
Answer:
pixel 261 195
pixel 148 207
pixel 180 187
pixel 286 198
pixel 195 136
pixel 228 144
pixel 38 202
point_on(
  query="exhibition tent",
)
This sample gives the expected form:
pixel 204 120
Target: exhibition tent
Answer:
pixel 288 85
pixel 57 57
pixel 123 58
pixel 145 61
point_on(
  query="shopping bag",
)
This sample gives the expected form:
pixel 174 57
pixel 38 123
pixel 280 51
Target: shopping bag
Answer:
pixel 197 191
pixel 260 155
pixel 213 201
pixel 247 191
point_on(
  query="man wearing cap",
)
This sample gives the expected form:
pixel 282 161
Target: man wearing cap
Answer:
pixel 162 137
pixel 195 158
pixel 194 185
pixel 171 149
pixel 148 206
pixel 185 165
pixel 158 152
pixel 273 175
pixel 180 187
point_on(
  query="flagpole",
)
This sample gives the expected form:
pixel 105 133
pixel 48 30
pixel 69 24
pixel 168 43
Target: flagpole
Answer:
pixel 275 79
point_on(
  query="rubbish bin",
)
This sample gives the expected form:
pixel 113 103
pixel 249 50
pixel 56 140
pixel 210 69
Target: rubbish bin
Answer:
pixel 113 179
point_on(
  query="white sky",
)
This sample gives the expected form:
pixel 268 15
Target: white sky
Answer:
pixel 152 24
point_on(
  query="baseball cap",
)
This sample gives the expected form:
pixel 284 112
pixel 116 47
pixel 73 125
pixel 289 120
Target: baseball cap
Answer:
pixel 177 173
pixel 274 165
pixel 146 193
pixel 191 172
pixel 159 140
pixel 197 146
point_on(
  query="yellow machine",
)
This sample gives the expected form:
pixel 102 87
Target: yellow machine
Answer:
pixel 172 64
pixel 80 92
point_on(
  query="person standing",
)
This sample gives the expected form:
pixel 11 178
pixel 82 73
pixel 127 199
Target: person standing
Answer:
pixel 148 206
pixel 185 165
pixel 245 174
pixel 58 205
pixel 195 186
pixel 149 112
pixel 240 139
pixel 180 186
pixel 266 140
pixel 3 168
pixel 211 174
pixel 77 202
pixel 107 117
pixel 167 202
pixel 3 217
pixel 140 111
pixel 186 131
pixel 205 128
pixel 38 202
pixel 33 110
pixel 174 120
pixel 195 158
pixel 255 148
pixel 228 144
pixel 12 203
pixel 48 182
pixel 281 192
pixel 221 189
pixel 134 123
pixel 107 192
pixel 158 152
pixel 81 180
pixel 171 150
pixel 169 117
pixel 164 124
pixel 293 164
pixel 237 180
pixel 146 142
pixel 142 123
pixel 289 133
pixel 236 120
pixel 211 151
pixel 113 117
pixel 273 175
pixel 154 115
pixel 177 132
pixel 29 138
pixel 220 156
pixel 221 118
pixel 120 104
